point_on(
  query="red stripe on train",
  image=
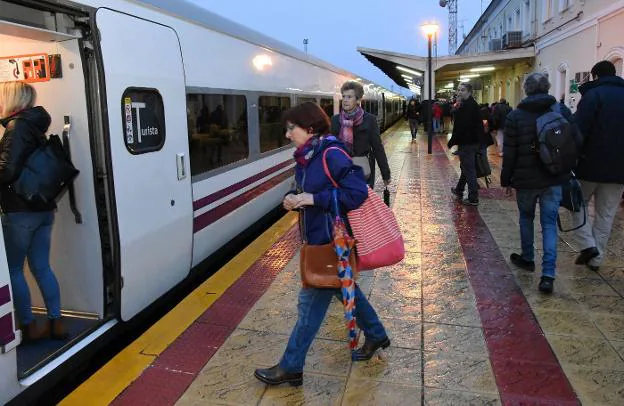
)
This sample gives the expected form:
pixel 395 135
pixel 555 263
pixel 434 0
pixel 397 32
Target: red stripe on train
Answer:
pixel 5 295
pixel 204 220
pixel 6 329
pixel 205 201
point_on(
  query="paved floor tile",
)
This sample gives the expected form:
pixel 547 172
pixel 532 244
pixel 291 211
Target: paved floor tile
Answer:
pixel 374 393
pixel 464 372
pixel 441 397
pixel 316 390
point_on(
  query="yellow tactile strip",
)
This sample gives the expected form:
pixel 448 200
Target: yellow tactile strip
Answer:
pixel 106 384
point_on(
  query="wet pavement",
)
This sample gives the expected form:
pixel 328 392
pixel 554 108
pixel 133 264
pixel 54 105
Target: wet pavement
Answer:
pixel 467 327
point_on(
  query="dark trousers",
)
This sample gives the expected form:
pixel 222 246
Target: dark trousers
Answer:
pixel 467 157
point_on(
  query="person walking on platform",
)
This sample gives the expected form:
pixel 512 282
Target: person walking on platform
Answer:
pixel 307 126
pixel 27 226
pixel 600 117
pixel 524 171
pixel 413 115
pixel 499 115
pixel 468 135
pixel 359 131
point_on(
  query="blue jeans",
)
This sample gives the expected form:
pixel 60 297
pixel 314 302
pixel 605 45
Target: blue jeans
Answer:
pixel 28 235
pixel 549 200
pixel 313 304
pixel 436 125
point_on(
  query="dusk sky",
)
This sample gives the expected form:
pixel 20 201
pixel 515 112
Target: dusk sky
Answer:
pixel 336 28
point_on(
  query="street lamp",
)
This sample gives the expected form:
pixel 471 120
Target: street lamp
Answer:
pixel 429 29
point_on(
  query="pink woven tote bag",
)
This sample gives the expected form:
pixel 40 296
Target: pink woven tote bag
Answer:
pixel 378 238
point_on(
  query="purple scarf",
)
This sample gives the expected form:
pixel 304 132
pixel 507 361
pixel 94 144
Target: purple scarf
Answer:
pixel 347 122
pixel 304 152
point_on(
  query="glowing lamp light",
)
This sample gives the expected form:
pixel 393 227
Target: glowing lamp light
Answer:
pixel 483 69
pixel 429 29
pixel 261 61
pixel 413 72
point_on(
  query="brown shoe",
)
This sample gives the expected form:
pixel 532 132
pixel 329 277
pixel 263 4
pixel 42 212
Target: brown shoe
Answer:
pixel 58 331
pixel 32 332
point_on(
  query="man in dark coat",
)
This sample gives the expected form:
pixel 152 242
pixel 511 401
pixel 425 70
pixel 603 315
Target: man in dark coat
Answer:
pixel 524 171
pixel 359 131
pixel 413 116
pixel 600 116
pixel 499 115
pixel 468 135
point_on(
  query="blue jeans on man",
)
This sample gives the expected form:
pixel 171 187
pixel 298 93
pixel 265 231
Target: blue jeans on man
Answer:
pixel 312 307
pixel 28 235
pixel 549 199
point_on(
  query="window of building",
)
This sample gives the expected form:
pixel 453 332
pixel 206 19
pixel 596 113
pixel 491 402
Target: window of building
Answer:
pixel 270 109
pixel 618 66
pixel 143 115
pixel 565 4
pixel 527 17
pixel 217 125
pixel 547 7
pixel 328 106
pixel 518 21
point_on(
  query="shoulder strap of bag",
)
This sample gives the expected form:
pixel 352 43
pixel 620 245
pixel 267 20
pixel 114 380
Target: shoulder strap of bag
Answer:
pixel 326 168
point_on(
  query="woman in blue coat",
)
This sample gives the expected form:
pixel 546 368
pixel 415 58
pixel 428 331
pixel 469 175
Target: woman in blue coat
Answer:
pixel 307 126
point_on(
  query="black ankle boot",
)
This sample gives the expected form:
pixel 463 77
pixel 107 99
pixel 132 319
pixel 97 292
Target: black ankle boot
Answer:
pixel 276 375
pixel 366 352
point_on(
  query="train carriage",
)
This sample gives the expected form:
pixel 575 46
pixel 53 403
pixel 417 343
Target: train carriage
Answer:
pixel 172 115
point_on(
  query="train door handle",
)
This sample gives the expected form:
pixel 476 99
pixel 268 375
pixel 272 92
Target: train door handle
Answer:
pixel 180 162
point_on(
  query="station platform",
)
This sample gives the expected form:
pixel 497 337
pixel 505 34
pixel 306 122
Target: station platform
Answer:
pixel 467 327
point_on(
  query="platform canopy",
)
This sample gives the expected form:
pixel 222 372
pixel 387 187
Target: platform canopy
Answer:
pixel 445 68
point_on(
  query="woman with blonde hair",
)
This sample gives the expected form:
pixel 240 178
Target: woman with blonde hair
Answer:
pixel 27 226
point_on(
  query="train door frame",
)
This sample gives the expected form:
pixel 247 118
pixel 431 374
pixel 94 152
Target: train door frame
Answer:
pixel 169 222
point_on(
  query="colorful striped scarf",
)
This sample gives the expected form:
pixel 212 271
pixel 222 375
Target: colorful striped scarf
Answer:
pixel 347 122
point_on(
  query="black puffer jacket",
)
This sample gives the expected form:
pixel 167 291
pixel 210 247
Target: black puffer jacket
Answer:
pixel 522 167
pixel 366 142
pixel 25 132
pixel 468 125
pixel 600 116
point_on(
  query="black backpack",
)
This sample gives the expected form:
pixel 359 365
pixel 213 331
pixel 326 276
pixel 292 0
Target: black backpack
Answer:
pixel 46 173
pixel 555 142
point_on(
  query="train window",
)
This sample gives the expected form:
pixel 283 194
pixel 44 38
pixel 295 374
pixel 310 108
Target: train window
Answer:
pixel 217 130
pixel 301 100
pixel 270 109
pixel 143 115
pixel 328 106
pixel 376 107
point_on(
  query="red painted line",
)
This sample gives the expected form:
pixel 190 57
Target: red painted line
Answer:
pixel 526 370
pixel 204 220
pixel 170 375
pixel 6 329
pixel 5 295
pixel 205 201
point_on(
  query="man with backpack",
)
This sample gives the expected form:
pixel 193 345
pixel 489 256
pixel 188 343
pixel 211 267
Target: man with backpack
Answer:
pixel 600 116
pixel 532 128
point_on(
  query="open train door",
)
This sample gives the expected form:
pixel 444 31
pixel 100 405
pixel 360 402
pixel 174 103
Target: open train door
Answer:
pixel 146 101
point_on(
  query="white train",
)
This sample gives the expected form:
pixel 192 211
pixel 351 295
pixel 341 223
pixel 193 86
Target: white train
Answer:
pixel 172 115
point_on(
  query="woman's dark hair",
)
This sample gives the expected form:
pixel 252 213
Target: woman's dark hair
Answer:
pixel 308 115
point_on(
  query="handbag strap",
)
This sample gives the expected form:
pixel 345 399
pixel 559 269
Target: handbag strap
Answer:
pixel 326 168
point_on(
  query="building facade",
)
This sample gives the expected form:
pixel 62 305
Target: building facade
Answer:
pixel 568 36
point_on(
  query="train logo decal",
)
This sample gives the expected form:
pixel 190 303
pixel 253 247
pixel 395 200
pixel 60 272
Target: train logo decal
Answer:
pixel 143 116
